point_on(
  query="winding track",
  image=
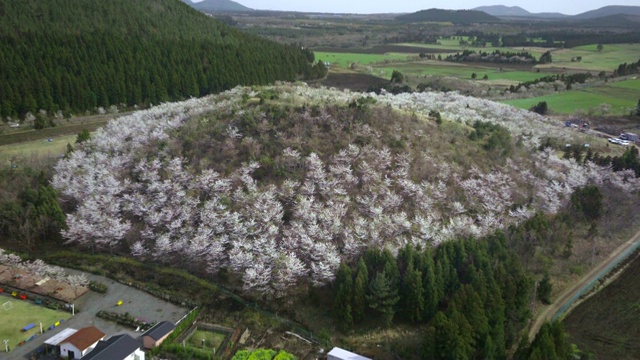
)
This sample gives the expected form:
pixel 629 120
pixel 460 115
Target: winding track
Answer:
pixel 570 295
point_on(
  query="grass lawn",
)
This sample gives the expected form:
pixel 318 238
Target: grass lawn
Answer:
pixel 346 59
pixel 211 339
pixel 23 313
pixel 35 149
pixel 459 70
pixel 622 96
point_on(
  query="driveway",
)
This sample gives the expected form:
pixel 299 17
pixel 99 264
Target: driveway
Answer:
pixel 137 303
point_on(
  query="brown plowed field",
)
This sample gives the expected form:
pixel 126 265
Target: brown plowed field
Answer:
pixel 608 324
pixel 352 81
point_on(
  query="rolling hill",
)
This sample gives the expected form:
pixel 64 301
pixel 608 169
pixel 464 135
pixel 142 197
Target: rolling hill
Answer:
pixel 78 55
pixel 454 16
pixel 608 11
pixel 218 5
pixel 516 11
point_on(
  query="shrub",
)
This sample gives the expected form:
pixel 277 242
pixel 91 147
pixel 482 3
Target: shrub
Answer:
pixel 98 287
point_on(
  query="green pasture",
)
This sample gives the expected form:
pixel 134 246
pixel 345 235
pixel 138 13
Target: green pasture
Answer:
pixel 211 339
pixel 622 96
pixel 458 70
pixel 21 314
pixel 449 46
pixel 346 59
pixel 608 59
pixel 35 149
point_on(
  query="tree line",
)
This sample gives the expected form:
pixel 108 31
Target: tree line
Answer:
pixel 128 52
pixel 473 294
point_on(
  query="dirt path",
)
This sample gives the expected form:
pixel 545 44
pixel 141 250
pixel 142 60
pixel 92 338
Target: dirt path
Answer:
pixel 567 298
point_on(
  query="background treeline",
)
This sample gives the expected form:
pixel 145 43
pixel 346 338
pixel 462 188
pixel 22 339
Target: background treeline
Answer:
pixel 473 294
pixel 76 55
pixel 554 38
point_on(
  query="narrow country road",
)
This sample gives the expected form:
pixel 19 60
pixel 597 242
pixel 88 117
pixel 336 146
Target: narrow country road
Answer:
pixel 567 297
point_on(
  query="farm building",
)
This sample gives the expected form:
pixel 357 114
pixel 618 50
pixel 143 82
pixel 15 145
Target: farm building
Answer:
pixel 80 343
pixel 117 347
pixel 156 335
pixel 341 354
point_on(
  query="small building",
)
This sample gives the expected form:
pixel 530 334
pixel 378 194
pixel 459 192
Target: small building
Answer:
pixel 53 342
pixel 117 347
pixel 157 334
pixel 80 343
pixel 342 354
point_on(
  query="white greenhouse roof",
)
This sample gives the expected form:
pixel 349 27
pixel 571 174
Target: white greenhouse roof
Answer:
pixel 343 354
pixel 55 340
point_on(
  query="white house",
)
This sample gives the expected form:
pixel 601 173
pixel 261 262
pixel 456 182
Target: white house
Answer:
pixel 80 343
pixel 117 347
pixel 342 354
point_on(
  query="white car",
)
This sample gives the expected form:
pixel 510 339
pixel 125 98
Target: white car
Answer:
pixel 614 140
pixel 623 142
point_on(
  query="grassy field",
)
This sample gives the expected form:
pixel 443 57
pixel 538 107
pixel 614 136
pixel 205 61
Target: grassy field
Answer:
pixel 458 70
pixel 23 313
pixel 346 59
pixel 622 96
pixel 35 149
pixel 211 339
pixel 608 59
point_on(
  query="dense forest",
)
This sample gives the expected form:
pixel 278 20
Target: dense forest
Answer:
pixel 73 56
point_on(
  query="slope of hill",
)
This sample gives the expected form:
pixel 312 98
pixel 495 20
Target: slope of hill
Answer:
pixel 76 55
pixel 607 11
pixel 279 185
pixel 502 10
pixel 517 12
pixel 454 16
pixel 219 5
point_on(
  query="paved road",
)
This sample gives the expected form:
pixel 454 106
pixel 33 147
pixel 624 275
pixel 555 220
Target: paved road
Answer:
pixel 136 302
pixel 569 296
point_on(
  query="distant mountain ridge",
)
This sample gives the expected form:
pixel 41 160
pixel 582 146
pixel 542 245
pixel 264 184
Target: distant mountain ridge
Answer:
pixel 454 16
pixel 217 5
pixel 608 11
pixel 516 11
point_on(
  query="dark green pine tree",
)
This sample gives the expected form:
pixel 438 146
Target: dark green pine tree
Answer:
pixel 432 289
pixel 343 298
pixel 359 303
pixel 544 289
pixel 412 294
pixel 383 297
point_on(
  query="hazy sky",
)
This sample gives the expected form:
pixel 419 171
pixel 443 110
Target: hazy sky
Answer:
pixel 569 7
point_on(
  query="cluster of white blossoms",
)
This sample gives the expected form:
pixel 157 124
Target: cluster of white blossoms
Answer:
pixel 132 192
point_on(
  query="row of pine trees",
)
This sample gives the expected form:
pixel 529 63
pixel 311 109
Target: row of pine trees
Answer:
pixel 473 294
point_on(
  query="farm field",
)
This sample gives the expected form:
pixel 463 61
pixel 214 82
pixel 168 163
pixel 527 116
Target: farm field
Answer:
pixel 459 70
pixel 346 59
pixel 204 339
pixel 35 149
pixel 622 96
pixel 592 60
pixel 21 314
pixel 607 323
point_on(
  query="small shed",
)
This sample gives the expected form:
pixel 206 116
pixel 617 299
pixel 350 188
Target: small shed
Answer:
pixel 157 334
pixel 342 354
pixel 81 342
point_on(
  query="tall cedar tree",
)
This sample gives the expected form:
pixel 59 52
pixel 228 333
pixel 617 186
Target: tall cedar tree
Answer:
pixel 359 303
pixel 344 295
pixel 383 297
pixel 412 294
